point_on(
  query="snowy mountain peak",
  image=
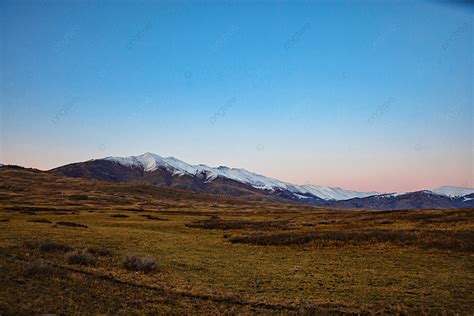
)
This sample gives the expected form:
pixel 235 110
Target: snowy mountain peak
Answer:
pixel 453 191
pixel 150 162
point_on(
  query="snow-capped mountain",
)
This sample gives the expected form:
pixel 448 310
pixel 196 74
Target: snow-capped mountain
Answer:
pixel 150 162
pixel 172 172
pixel 411 200
pixel 453 191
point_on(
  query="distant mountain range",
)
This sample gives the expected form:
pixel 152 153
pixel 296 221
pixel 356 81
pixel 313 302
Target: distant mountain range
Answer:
pixel 171 172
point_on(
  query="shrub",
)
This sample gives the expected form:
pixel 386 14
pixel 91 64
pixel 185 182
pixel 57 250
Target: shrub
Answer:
pixel 83 257
pixel 4 220
pixel 100 252
pixel 283 239
pixel 120 215
pixel 146 264
pixel 325 222
pixel 48 246
pixel 462 241
pixel 59 213
pixel 340 237
pixel 41 268
pixel 78 197
pixel 72 224
pixel 39 220
pixel 238 224
pixel 28 212
pixel 154 218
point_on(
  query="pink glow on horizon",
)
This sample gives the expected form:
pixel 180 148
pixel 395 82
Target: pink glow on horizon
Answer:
pixel 389 180
pixel 380 178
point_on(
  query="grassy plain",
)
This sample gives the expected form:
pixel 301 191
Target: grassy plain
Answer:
pixel 223 255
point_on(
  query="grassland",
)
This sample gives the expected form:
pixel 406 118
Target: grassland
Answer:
pixel 221 255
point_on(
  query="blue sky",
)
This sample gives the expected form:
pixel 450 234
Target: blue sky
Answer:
pixel 363 95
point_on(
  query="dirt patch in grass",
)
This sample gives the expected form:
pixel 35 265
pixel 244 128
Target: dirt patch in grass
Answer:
pixel 71 224
pixel 214 223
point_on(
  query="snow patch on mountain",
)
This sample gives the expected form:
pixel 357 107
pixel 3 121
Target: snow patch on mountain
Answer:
pixel 453 191
pixel 151 162
pixel 302 197
pixel 329 193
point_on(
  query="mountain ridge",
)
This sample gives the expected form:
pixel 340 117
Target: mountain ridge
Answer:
pixel 171 172
pixel 151 162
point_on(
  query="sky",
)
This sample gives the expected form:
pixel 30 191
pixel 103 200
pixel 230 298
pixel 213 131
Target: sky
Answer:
pixel 363 95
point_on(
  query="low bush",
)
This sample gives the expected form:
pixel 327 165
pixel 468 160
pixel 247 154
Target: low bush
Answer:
pixel 60 213
pixel 41 268
pixel 341 237
pixel 4 220
pixel 39 220
pixel 457 241
pixel 326 222
pixel 100 251
pixel 152 217
pixel 281 239
pixel 146 264
pixel 78 197
pixel 28 212
pixel 48 246
pixel 82 257
pixel 71 224
pixel 213 223
pixel 119 215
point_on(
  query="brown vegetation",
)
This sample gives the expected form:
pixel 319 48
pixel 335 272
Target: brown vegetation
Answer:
pixel 71 224
pixel 100 251
pixel 223 255
pixel 82 257
pixel 48 245
pixel 146 264
pixel 153 217
pixel 456 241
pixel 41 268
pixel 215 223
pixel 40 220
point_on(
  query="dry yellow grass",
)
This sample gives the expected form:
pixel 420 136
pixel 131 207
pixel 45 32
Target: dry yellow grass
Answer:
pixel 425 265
